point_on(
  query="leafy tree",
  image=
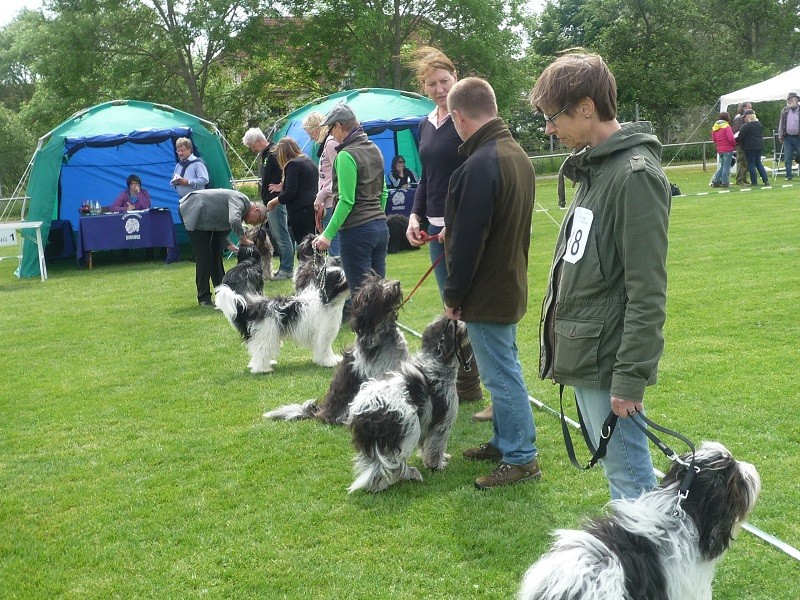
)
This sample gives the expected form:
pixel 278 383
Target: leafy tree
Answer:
pixel 363 43
pixel 18 144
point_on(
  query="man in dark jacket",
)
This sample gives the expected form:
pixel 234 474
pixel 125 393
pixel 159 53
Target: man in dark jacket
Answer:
pixel 488 227
pixel 271 176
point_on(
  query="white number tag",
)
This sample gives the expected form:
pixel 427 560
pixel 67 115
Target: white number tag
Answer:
pixel 581 225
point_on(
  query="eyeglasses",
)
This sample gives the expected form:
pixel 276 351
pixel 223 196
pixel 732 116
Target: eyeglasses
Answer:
pixel 552 120
pixel 401 162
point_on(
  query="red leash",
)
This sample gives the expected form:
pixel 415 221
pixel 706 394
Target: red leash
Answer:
pixel 425 239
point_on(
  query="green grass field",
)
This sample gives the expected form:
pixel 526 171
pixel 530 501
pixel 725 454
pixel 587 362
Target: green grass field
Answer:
pixel 134 461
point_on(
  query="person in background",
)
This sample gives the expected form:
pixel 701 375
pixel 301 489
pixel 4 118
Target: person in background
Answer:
pixel 401 177
pixel 488 221
pixel 326 153
pixel 741 159
pixel 209 215
pixel 190 174
pixel 605 307
pixel 360 200
pixel 270 177
pixel 133 197
pixel 751 137
pixel 722 134
pixel 299 188
pixel 439 155
pixel 789 133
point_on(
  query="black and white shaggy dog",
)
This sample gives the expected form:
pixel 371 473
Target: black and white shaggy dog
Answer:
pixel 379 348
pixel 311 318
pixel 310 263
pixel 247 277
pixel 416 407
pixel 259 235
pixel 646 549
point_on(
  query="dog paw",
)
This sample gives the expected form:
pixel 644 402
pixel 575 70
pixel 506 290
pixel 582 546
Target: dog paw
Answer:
pixel 331 361
pixel 413 474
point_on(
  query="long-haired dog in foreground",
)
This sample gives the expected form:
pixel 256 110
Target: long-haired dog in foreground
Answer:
pixel 379 348
pixel 415 407
pixel 247 277
pixel 648 548
pixel 311 318
pixel 311 264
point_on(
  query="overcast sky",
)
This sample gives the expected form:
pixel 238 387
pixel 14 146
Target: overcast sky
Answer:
pixel 10 8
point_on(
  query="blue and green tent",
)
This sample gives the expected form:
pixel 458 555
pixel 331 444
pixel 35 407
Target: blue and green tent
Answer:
pixel 90 155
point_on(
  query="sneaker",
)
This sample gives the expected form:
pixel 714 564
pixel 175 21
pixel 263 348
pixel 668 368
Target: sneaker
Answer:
pixel 507 474
pixel 485 415
pixel 206 303
pixel 483 452
pixel 281 275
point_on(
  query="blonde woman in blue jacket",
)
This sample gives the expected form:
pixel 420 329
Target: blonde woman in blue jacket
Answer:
pixel 605 306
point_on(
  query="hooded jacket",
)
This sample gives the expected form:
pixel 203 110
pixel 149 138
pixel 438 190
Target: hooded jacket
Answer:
pixel 722 134
pixel 605 305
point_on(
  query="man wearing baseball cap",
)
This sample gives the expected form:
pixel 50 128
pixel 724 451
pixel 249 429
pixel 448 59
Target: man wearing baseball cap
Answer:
pixel 789 132
pixel 359 197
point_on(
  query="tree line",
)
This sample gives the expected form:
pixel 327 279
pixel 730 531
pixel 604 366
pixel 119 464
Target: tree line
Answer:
pixel 248 62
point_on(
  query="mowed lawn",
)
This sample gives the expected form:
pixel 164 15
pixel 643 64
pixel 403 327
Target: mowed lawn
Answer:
pixel 135 463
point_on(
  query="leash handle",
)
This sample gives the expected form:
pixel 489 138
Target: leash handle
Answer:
pixel 605 435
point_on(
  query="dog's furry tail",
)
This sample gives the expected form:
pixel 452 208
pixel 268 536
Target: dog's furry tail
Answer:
pixel 294 412
pixel 385 431
pixel 229 302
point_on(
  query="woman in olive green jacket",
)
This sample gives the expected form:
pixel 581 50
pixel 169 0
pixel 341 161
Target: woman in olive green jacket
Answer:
pixel 605 306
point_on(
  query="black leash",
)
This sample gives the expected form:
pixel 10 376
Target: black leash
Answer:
pixel 643 423
pixel 605 435
pixel 465 362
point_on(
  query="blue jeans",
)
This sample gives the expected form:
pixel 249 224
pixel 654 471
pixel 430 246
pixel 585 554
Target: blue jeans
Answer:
pixel 279 228
pixel 791 147
pixel 723 174
pixel 495 348
pixel 326 218
pixel 363 248
pixel 436 249
pixel 628 465
pixel 754 164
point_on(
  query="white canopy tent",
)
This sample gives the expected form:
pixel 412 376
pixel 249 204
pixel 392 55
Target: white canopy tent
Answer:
pixel 775 88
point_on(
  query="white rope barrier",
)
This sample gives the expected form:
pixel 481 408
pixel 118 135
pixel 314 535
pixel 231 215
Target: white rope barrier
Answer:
pixel 763 535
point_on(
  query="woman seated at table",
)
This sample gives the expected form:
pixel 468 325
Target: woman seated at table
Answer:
pixel 135 197
pixel 400 177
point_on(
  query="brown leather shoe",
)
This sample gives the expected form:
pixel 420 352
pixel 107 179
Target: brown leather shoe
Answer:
pixel 483 452
pixel 506 474
pixel 485 415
